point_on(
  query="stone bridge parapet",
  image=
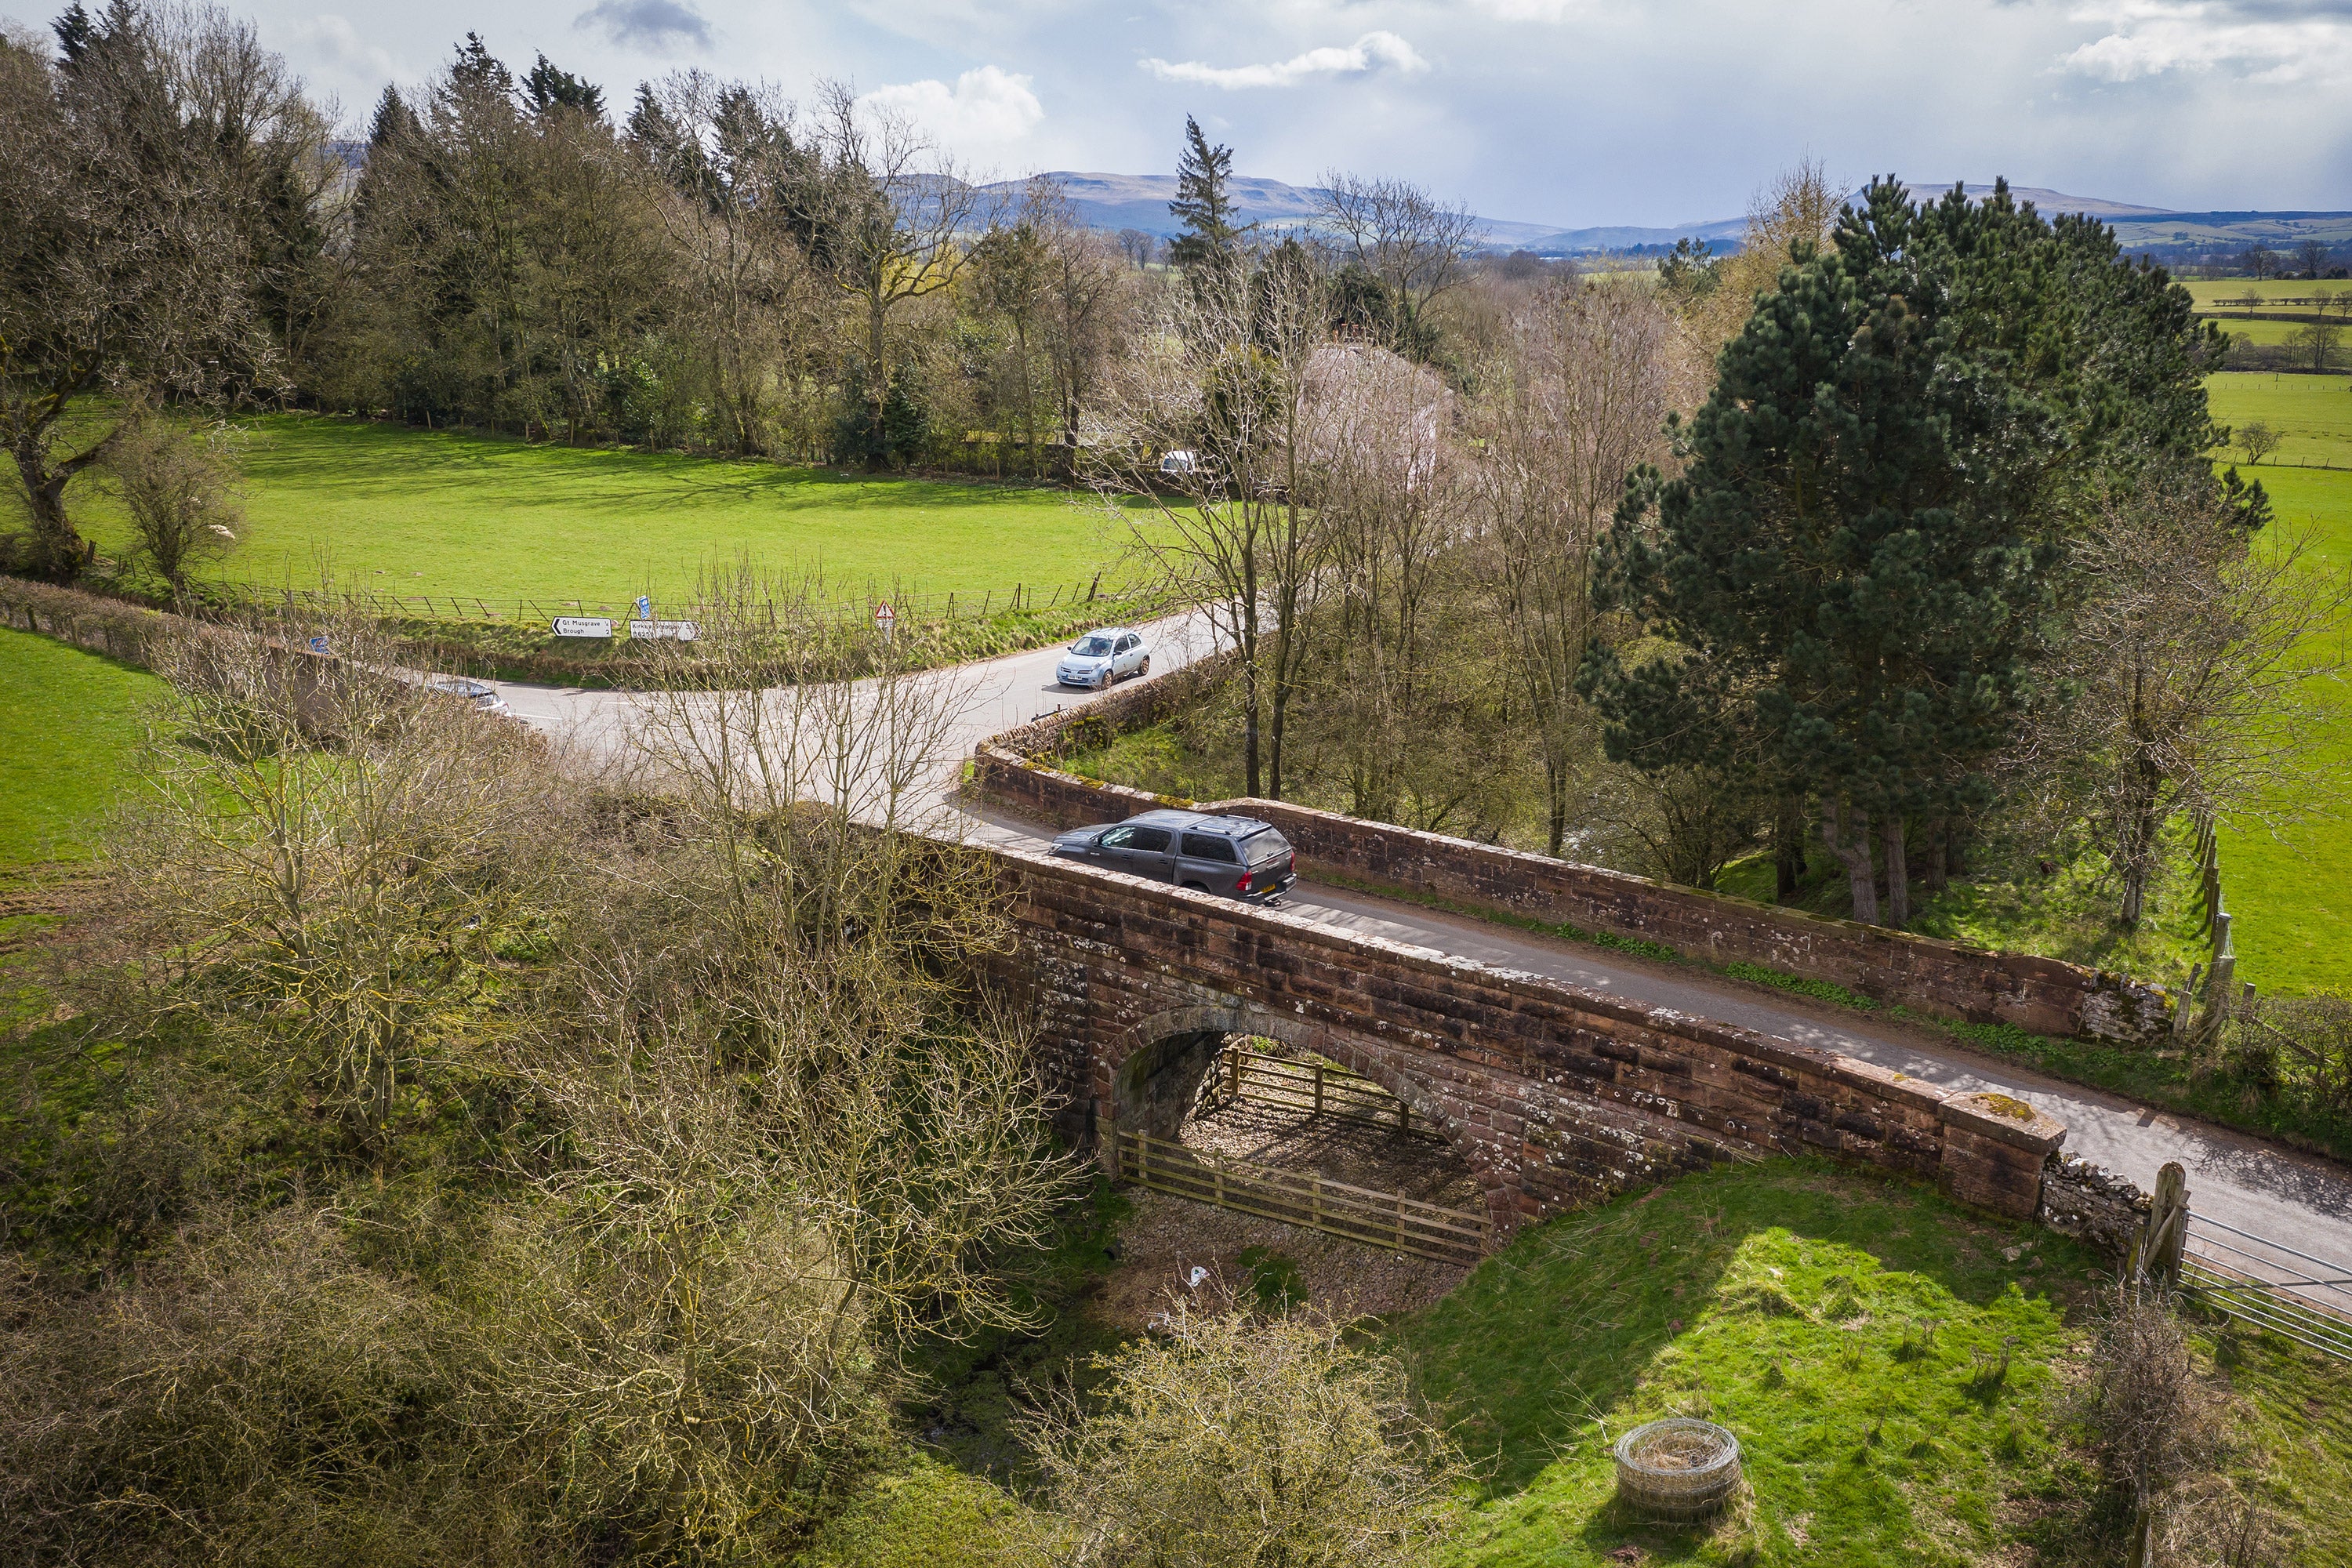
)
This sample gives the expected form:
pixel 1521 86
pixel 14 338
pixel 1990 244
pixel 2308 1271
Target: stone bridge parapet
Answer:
pixel 1556 1097
pixel 2043 996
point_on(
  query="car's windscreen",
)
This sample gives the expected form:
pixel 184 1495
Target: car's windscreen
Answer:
pixel 1091 648
pixel 1262 845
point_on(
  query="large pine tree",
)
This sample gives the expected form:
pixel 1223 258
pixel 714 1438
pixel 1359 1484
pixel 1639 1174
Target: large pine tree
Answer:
pixel 1857 569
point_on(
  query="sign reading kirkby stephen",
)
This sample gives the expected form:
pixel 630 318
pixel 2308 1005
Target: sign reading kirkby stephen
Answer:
pixel 680 631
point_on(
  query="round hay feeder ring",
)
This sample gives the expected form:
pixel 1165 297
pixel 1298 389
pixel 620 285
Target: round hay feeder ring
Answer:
pixel 1678 1469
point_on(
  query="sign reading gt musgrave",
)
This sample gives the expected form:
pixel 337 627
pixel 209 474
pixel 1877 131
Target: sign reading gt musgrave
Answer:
pixel 583 625
pixel 680 631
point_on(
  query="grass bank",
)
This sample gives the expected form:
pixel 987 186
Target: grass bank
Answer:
pixel 69 723
pixel 1849 1331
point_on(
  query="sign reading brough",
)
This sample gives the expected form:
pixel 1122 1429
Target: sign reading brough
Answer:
pixel 583 625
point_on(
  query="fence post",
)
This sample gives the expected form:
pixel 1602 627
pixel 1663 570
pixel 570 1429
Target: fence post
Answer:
pixel 1317 1205
pixel 2167 1226
pixel 1399 1220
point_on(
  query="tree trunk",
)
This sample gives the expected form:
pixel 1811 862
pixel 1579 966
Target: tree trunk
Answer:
pixel 2136 846
pixel 1938 831
pixel 1556 798
pixel 1899 872
pixel 59 552
pixel 1854 852
pixel 1248 627
pixel 1788 851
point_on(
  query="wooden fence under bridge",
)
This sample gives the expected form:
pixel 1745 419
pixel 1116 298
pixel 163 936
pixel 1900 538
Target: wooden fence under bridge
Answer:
pixel 1314 1086
pixel 1389 1220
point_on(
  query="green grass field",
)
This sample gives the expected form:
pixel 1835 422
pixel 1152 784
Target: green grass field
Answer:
pixel 2222 294
pixel 69 723
pixel 2272 333
pixel 2291 890
pixel 406 512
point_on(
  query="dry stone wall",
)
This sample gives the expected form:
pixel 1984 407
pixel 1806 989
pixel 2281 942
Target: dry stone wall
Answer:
pixel 2043 996
pixel 2091 1204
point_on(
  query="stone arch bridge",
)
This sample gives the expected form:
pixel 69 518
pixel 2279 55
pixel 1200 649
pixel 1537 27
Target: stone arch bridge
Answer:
pixel 1555 1096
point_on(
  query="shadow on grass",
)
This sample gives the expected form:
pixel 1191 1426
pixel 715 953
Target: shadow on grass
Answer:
pixel 1842 1325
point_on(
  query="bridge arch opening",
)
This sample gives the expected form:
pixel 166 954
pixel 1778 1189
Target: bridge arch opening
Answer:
pixel 1296 1123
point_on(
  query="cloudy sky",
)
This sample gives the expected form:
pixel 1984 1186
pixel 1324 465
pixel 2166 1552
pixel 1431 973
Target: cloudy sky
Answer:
pixel 1571 111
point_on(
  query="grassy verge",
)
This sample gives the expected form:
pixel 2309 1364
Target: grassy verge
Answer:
pixel 1850 1330
pixel 505 651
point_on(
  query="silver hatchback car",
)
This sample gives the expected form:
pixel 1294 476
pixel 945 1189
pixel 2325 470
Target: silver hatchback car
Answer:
pixel 1238 857
pixel 1102 656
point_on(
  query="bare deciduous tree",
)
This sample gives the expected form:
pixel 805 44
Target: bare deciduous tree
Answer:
pixel 181 489
pixel 339 907
pixel 128 197
pixel 1392 505
pixel 1237 1439
pixel 2195 652
pixel 2317 343
pixel 1581 401
pixel 894 211
pixel 1414 246
pixel 1206 420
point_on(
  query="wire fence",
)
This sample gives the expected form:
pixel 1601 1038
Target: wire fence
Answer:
pixel 908 610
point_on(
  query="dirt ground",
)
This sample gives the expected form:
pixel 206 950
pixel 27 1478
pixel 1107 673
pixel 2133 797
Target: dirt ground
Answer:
pixel 1377 1158
pixel 1167 1237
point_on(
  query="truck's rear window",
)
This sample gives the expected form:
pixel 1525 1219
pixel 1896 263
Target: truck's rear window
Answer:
pixel 1262 845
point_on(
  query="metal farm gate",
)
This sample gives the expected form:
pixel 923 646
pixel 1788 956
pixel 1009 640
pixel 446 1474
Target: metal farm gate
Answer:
pixel 2267 1283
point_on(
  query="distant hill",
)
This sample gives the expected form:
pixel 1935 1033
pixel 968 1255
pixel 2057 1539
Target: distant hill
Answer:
pixel 1140 202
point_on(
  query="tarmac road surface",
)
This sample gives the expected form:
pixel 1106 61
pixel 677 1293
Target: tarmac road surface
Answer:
pixel 2302 1201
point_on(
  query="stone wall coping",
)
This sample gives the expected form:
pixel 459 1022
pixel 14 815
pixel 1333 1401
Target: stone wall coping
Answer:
pixel 2005 1119
pixel 1949 1106
pixel 1894 947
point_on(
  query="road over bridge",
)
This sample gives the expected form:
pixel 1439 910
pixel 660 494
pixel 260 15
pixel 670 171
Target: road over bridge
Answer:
pixel 2303 1200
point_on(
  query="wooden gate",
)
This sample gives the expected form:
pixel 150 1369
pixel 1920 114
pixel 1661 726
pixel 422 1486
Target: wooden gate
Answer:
pixel 1390 1220
pixel 1316 1087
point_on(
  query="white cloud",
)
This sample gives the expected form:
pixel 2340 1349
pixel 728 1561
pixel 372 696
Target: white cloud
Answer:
pixel 987 107
pixel 1529 10
pixel 1372 52
pixel 2152 38
pixel 660 27
pixel 331 41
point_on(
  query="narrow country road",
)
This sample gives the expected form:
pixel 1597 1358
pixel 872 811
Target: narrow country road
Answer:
pixel 2300 1200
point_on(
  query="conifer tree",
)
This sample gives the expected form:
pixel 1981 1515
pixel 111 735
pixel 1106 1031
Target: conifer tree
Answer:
pixel 1860 568
pixel 1211 238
